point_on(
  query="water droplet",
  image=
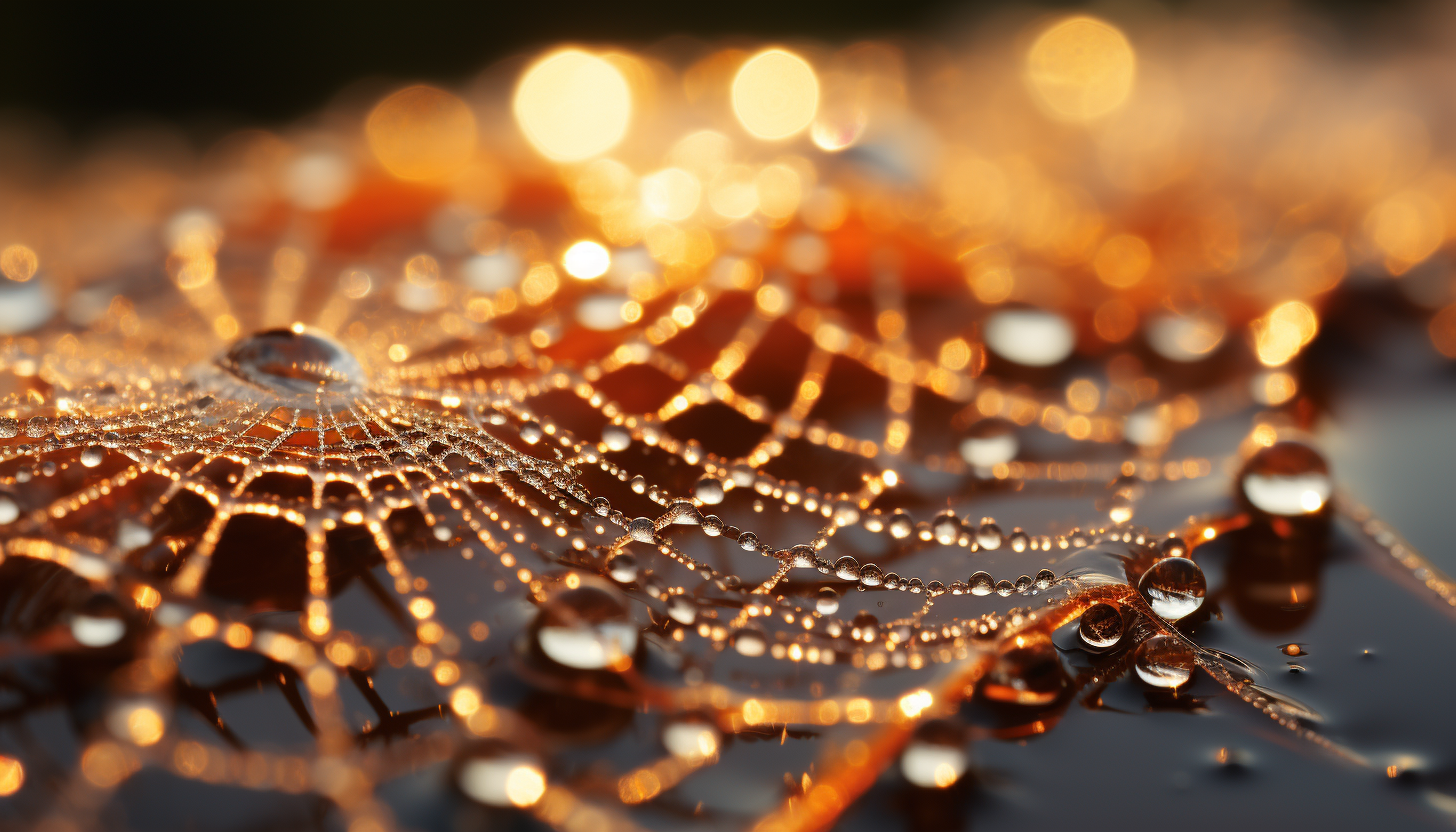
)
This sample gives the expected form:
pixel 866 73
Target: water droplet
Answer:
pixel 496 774
pixel 532 433
pixel 713 525
pixel 601 506
pixel 990 442
pixel 1030 337
pixel 616 438
pixel 946 528
pixel 1164 662
pixel 1173 547
pixel 1005 588
pixel 37 426
pixel 709 490
pixel 691 738
pixel 1045 578
pixel 988 536
pixel 682 609
pixel 640 529
pixel 870 575
pixel 827 601
pixel 1173 587
pixel 1101 626
pixel 9 428
pixel 901 525
pixel 935 757
pixel 622 567
pixel 749 541
pixel 1018 540
pixel 847 568
pixel 91 456
pixel 1023 584
pixel 294 361
pixel 638 484
pixel 981 583
pixel 1288 479
pixel 587 628
pixel 800 557
pixel 751 643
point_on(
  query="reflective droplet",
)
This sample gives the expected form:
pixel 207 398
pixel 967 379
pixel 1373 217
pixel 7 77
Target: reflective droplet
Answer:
pixel 588 628
pixel 1101 626
pixel 297 360
pixel 622 567
pixel 901 525
pixel 9 428
pixel 691 739
pixel 91 456
pixel 1173 587
pixel 827 601
pixel 946 528
pixel 990 442
pixel 496 774
pixel 847 568
pixel 751 643
pixel 1287 479
pixel 709 490
pixel 532 433
pixel 1164 662
pixel 1018 541
pixel 749 541
pixel 982 583
pixel 988 536
pixel 870 575
pixel 1030 337
pixel 1005 588
pixel 800 557
pixel 1173 547
pixel 616 438
pixel 640 529
pixel 935 757
pixel 1045 578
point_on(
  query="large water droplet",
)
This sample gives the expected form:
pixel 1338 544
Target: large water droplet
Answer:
pixel 498 775
pixel 297 360
pixel 1030 337
pixel 1101 626
pixel 588 628
pixel 1164 662
pixel 935 758
pixel 1173 587
pixel 1288 479
pixel 990 442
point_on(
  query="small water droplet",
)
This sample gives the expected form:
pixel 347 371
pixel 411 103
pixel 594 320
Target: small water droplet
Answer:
pixel 532 433
pixel 946 528
pixel 1164 662
pixel 640 529
pixel 91 456
pixel 616 438
pixel 901 525
pixel 847 568
pixel 827 601
pixel 587 628
pixel 982 583
pixel 749 541
pixel 1173 587
pixel 1101 626
pixel 870 575
pixel 709 490
pixel 936 756
pixel 988 536
pixel 800 557
pixel 1287 479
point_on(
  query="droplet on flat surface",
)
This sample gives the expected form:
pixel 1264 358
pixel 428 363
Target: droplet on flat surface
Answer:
pixel 1288 479
pixel 498 775
pixel 1173 587
pixel 989 442
pixel 295 360
pixel 1101 626
pixel 1030 337
pixel 587 628
pixel 1164 662
pixel 827 601
pixel 936 756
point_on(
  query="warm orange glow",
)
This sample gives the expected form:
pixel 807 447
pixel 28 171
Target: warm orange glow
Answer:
pixel 775 94
pixel 572 105
pixel 1081 68
pixel 421 133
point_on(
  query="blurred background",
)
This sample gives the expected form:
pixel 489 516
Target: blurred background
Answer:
pixel 78 69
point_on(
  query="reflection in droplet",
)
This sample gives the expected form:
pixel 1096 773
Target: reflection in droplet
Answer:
pixel 1030 337
pixel 1164 662
pixel 1288 479
pixel 588 628
pixel 936 757
pixel 1101 626
pixel 293 361
pixel 1173 587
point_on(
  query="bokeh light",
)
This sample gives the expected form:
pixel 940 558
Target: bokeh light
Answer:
pixel 586 260
pixel 572 105
pixel 421 133
pixel 1081 68
pixel 775 94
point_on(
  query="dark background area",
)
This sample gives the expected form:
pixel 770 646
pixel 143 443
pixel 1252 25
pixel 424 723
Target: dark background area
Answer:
pixel 212 65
